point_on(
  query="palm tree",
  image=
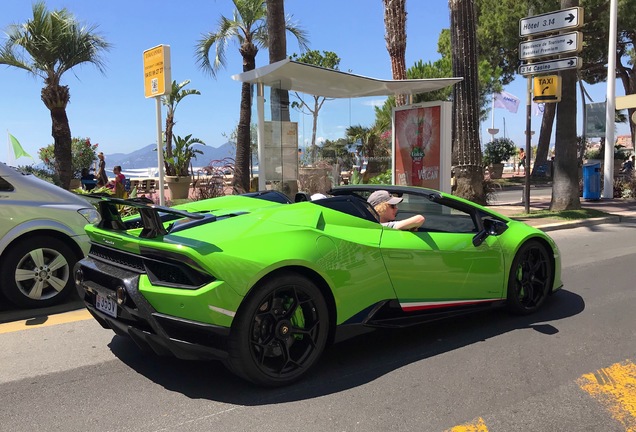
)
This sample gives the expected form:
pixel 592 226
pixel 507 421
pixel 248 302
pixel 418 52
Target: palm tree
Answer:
pixel 395 36
pixel 171 101
pixel 249 28
pixel 371 146
pixel 277 36
pixel 49 44
pixel 469 172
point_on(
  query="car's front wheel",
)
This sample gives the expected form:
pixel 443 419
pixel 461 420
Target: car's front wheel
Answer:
pixel 36 272
pixel 531 275
pixel 280 332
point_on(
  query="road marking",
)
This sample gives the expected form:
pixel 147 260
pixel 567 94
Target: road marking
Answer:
pixel 477 425
pixel 615 388
pixel 45 321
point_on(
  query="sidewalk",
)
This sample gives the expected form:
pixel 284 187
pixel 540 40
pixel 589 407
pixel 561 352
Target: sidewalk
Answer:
pixel 618 209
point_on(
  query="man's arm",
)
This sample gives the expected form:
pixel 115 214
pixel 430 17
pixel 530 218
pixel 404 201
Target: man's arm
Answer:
pixel 410 223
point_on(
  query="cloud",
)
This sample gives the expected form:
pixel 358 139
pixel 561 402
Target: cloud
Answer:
pixel 374 102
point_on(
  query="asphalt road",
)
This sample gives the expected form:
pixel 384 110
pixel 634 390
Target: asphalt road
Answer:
pixel 514 195
pixel 569 367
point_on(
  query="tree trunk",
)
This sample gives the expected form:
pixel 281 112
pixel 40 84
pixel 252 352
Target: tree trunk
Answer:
pixel 565 182
pixel 547 122
pixel 395 36
pixel 469 173
pixel 56 97
pixel 241 180
pixel 277 35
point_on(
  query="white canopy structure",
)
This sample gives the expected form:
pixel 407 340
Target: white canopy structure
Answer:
pixel 304 78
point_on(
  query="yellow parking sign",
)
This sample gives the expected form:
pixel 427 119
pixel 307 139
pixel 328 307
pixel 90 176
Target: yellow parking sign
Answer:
pixel 547 88
pixel 157 79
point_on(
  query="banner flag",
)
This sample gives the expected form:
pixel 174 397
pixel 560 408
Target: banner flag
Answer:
pixel 18 151
pixel 507 101
pixel 537 108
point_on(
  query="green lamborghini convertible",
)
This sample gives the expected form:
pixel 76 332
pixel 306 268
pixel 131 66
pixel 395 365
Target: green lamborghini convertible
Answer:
pixel 265 284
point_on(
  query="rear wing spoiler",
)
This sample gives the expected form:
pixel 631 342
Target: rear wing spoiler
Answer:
pixel 151 214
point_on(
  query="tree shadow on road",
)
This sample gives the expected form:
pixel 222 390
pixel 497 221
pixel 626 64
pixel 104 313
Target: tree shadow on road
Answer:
pixel 348 364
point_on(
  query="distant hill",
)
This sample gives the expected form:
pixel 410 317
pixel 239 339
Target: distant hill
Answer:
pixel 146 156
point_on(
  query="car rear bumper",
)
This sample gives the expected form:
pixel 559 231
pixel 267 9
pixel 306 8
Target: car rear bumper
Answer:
pixel 152 331
pixel 167 345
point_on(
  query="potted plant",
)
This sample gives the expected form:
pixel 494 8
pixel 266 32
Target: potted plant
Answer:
pixel 496 152
pixel 178 165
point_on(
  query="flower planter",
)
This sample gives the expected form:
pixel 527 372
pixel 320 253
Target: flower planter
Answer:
pixel 496 170
pixel 179 186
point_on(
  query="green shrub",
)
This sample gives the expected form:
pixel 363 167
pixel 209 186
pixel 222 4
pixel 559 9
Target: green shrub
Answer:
pixel 499 150
pixel 384 178
pixel 83 153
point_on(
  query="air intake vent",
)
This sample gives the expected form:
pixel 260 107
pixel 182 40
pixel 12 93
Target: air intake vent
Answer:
pixel 118 258
pixel 168 271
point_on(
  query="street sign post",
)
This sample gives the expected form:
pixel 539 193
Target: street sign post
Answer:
pixel 564 19
pixel 550 66
pixel 158 82
pixel 547 88
pixel 553 45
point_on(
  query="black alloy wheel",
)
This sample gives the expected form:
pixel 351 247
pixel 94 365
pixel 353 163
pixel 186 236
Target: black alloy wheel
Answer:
pixel 531 276
pixel 280 332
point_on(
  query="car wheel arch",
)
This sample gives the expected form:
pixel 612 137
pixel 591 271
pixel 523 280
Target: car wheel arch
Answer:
pixel 543 242
pixel 314 277
pixel 77 251
pixel 38 248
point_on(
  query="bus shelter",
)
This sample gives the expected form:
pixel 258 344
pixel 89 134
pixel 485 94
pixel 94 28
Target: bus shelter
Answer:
pixel 278 141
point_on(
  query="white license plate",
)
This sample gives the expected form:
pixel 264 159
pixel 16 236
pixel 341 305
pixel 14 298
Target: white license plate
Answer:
pixel 106 305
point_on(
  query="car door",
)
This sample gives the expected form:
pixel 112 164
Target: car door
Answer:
pixel 438 265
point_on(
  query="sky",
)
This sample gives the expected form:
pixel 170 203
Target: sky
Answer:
pixel 111 108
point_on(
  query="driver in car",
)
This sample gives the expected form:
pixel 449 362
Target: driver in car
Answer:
pixel 385 205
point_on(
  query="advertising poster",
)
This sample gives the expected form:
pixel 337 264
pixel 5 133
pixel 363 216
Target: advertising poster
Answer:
pixel 418 141
pixel 281 151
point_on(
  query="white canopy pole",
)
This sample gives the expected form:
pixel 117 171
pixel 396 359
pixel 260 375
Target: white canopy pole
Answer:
pixel 260 108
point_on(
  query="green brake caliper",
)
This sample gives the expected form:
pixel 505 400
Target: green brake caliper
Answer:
pixel 297 319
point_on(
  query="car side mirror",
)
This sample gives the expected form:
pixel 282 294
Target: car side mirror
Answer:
pixel 491 226
pixel 494 226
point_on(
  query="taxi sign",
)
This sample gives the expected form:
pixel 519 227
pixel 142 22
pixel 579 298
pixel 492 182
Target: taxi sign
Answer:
pixel 547 88
pixel 157 79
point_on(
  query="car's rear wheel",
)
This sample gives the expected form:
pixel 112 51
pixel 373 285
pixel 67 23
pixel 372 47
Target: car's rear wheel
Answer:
pixel 36 272
pixel 280 332
pixel 531 275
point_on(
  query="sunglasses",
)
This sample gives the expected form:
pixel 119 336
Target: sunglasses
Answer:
pixel 393 206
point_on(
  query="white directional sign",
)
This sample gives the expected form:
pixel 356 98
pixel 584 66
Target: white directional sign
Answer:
pixel 564 19
pixel 550 66
pixel 560 44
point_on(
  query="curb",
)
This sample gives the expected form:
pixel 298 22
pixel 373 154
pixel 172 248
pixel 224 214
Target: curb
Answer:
pixel 579 223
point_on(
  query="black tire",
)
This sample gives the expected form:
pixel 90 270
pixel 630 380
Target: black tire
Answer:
pixel 531 276
pixel 279 332
pixel 37 272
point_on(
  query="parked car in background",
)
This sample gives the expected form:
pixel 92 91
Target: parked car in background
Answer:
pixel 41 238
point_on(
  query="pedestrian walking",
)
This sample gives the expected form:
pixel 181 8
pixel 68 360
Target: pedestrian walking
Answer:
pixel 102 178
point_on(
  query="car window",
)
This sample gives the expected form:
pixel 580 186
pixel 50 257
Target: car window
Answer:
pixel 5 186
pixel 439 217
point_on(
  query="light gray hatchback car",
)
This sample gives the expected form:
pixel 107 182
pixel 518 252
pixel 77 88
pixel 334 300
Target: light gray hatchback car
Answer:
pixel 41 238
